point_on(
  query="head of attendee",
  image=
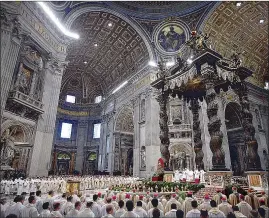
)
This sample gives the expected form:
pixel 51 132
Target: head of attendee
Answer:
pixel 32 199
pixel 51 193
pixel 218 190
pixel 155 202
pixel 32 194
pixel 121 204
pixel 241 197
pixel 11 216
pixel 129 205
pixel 95 197
pixel 155 195
pixel 56 206
pixel 141 197
pixel 64 195
pixel 20 199
pixel 89 204
pixel 45 206
pixel 194 204
pixel 189 194
pixel 99 194
pixel 78 205
pixel 213 203
pixel 38 193
pixel 156 213
pixel 223 198
pixel 109 209
pixel 204 214
pixel 206 197
pixel 231 215
pixel 108 200
pixel 127 196
pixel 180 214
pixel 235 208
pixel 139 204
pixel 114 197
pixel 261 212
pixel 69 199
pixel 234 189
pixel 173 206
pixel 23 193
pixel 262 202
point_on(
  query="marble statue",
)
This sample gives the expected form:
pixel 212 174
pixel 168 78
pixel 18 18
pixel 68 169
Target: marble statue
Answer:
pixel 7 151
pixel 143 158
pixel 202 176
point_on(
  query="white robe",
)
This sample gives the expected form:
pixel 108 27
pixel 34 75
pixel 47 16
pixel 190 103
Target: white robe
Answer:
pixel 130 214
pixel 150 213
pixel 244 208
pixel 16 209
pixel 225 207
pixel 45 214
pixel 72 213
pixel 120 212
pixel 96 209
pixel 56 214
pixel 140 212
pixel 171 214
pixel 29 211
pixel 194 213
pixel 216 213
pixel 87 212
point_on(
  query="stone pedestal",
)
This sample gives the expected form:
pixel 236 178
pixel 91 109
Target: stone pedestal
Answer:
pixel 219 178
pixel 255 179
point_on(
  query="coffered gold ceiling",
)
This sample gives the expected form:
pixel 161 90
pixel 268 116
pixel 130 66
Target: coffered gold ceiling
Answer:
pixel 233 28
pixel 109 50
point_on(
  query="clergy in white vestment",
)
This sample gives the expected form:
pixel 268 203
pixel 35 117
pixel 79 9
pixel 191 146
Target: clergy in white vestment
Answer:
pixel 186 206
pixel 109 211
pixel 114 202
pixel 45 212
pixel 75 211
pixel 172 212
pixel 243 206
pixel 96 208
pixel 67 206
pixel 56 211
pixel 121 209
pixel 87 212
pixel 17 207
pixel 30 210
pixel 39 202
pixel 173 200
pixel 160 205
pixel 75 197
pixel 215 212
pixel 206 204
pixel 194 212
pixel 130 213
pixel 155 203
pixel 237 213
pixel 225 207
pixel 103 209
pixel 139 210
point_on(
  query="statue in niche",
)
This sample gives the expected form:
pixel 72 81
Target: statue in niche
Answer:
pixel 236 60
pixel 7 149
pixel 143 157
pixel 177 161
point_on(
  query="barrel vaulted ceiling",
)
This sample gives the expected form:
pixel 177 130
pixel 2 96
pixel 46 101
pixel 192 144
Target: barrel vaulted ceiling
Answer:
pixel 121 51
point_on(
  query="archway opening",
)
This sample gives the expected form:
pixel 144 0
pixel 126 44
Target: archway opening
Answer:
pixel 63 163
pixel 236 140
pixel 124 142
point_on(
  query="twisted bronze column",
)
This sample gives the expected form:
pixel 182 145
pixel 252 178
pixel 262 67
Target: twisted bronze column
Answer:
pixel 253 159
pixel 162 98
pixel 199 155
pixel 214 124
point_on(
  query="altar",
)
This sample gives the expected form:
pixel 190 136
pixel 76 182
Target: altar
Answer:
pixel 72 186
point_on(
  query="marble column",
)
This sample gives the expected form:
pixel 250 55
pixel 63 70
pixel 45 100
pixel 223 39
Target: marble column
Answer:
pixel 46 122
pixel 11 38
pixel 253 158
pixel 218 158
pixel 80 143
pixel 199 155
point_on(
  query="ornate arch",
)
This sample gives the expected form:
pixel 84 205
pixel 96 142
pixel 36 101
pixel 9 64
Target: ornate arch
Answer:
pixel 124 120
pixel 180 147
pixel 24 129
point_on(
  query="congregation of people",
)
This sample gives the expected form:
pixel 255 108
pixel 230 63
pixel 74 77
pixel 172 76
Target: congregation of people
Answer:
pixel 122 204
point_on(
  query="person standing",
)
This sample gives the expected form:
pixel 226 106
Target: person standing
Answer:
pixel 139 210
pixel 121 209
pixel 16 208
pixel 244 207
pixel 96 208
pixel 206 204
pixel 215 212
pixel 194 212
pixel 130 213
pixel 172 212
pixel 56 211
pixel 87 212
pixel 234 197
pixel 30 210
pixel 109 212
pixel 187 204
pixel 262 205
pixel 75 211
pixel 225 207
pixel 237 213
pixel 173 200
pixel 45 212
pixel 154 203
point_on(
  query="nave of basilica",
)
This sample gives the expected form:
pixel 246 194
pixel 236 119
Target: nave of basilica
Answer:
pixel 156 90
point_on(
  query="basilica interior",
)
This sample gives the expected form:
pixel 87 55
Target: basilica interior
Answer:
pixel 110 87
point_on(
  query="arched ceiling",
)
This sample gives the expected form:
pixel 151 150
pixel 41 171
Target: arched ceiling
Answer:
pixel 109 51
pixel 238 29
